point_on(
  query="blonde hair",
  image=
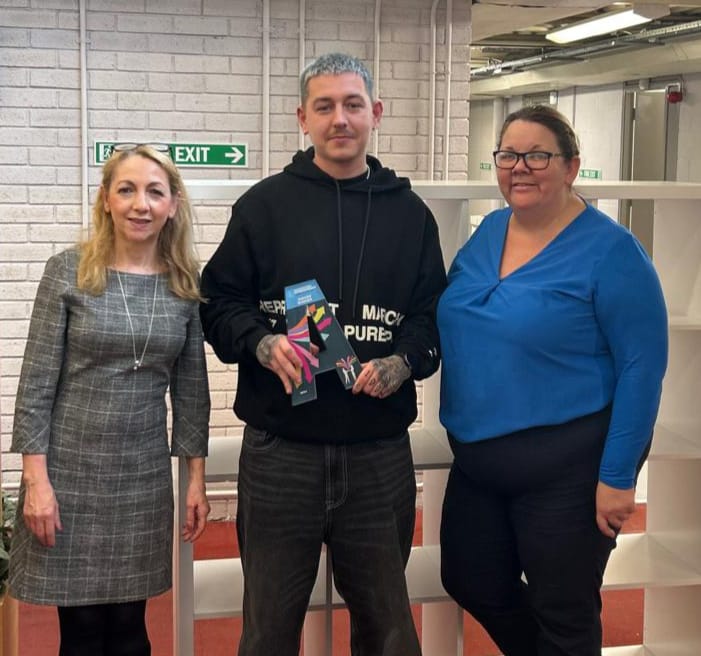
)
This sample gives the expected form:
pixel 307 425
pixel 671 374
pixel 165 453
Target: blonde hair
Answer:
pixel 176 248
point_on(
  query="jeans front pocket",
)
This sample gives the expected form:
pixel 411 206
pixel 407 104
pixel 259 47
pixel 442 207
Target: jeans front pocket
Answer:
pixel 258 439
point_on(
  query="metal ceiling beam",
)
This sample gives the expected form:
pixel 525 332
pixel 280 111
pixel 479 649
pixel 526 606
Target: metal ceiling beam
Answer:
pixel 644 37
pixel 673 58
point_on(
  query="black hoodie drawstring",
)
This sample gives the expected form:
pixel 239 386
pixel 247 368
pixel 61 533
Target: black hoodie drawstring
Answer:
pixel 339 218
pixel 362 250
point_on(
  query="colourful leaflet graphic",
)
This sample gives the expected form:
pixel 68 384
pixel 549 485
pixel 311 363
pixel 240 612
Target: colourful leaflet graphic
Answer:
pixel 310 323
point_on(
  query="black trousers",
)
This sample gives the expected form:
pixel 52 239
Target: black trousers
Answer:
pixel 522 506
pixel 104 630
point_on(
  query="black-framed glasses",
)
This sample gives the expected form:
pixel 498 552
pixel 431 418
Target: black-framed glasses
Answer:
pixel 536 160
pixel 154 145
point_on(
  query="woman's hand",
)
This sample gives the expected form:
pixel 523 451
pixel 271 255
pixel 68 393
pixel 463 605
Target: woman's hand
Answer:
pixel 196 504
pixel 40 511
pixel 613 508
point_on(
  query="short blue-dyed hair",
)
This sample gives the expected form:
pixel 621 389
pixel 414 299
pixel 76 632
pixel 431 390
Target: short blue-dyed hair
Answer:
pixel 334 63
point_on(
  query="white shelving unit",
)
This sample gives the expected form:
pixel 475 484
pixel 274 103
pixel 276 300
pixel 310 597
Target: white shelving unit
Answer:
pixel 665 560
pixel 673 612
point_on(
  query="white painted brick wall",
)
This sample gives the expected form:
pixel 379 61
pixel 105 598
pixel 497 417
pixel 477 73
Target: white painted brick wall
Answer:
pixel 184 71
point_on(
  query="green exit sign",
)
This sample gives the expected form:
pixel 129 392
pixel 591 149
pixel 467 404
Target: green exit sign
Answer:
pixel 485 166
pixel 188 155
pixel 591 174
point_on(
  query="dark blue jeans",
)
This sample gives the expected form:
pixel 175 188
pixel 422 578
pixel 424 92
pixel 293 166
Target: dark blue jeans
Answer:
pixel 358 499
pixel 525 503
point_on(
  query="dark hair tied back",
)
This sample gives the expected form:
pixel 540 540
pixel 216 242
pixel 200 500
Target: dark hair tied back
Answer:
pixel 551 119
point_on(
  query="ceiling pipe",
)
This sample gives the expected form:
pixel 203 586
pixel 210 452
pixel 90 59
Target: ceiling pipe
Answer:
pixel 648 37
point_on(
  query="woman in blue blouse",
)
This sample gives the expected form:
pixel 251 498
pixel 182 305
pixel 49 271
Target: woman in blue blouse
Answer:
pixel 554 338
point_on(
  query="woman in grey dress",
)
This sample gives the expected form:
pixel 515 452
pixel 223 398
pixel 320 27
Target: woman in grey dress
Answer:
pixel 115 326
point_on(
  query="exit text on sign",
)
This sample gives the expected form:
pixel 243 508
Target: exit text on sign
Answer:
pixel 191 154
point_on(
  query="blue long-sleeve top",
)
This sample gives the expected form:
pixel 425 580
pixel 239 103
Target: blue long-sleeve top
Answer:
pixel 580 326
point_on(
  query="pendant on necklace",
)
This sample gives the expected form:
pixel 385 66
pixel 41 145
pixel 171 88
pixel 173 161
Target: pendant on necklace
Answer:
pixel 138 361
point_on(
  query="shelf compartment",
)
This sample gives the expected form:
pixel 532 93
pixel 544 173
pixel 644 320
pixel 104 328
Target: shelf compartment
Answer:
pixel 222 463
pixel 641 561
pixel 672 621
pixel 218 588
pixel 684 322
pixel 675 442
pixel 686 545
pixel 430 449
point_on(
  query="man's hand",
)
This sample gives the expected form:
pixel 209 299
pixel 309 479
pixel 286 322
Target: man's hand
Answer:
pixel 613 507
pixel 381 377
pixel 274 352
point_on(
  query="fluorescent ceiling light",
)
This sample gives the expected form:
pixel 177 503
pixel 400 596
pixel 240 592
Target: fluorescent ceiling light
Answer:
pixel 607 23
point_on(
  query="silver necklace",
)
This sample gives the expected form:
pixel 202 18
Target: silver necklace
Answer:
pixel 138 361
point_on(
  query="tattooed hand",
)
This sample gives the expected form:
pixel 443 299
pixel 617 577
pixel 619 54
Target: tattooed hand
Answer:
pixel 382 376
pixel 264 350
pixel 275 353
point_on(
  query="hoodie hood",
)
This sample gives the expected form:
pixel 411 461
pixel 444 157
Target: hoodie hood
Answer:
pixel 377 180
pixel 381 178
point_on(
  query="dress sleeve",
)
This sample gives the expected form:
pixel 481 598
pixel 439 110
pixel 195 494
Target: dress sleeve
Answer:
pixel 418 333
pixel 189 394
pixel 43 360
pixel 631 311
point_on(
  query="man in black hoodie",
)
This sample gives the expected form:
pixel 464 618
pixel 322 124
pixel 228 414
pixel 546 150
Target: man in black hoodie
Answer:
pixel 337 470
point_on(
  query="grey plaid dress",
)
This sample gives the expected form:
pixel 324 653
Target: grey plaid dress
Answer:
pixel 103 428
